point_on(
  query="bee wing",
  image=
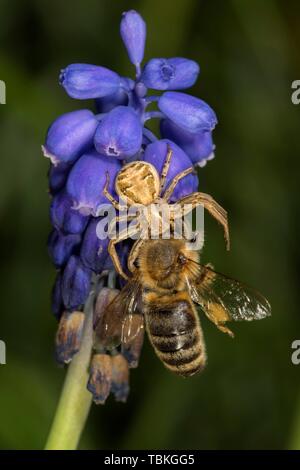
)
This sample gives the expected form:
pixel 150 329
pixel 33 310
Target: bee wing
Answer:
pixel 224 299
pixel 133 326
pixel 121 321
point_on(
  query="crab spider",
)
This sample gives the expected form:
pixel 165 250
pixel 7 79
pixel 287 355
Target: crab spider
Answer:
pixel 139 184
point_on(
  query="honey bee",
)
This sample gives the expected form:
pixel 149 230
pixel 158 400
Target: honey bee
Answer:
pixel 162 294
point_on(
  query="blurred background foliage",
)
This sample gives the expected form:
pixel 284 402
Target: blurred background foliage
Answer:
pixel 249 395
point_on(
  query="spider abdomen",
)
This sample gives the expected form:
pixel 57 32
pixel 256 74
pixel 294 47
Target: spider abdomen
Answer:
pixel 138 183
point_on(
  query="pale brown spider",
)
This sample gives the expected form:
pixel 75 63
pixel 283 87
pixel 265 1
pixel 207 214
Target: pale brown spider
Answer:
pixel 139 184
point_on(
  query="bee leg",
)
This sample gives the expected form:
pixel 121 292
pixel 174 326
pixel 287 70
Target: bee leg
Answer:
pixel 219 318
pixel 134 254
pixel 217 314
pixel 112 249
pixel 188 203
pixel 165 169
pixel 225 329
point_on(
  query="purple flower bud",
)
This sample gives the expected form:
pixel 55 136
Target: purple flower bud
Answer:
pixel 140 90
pixel 120 378
pixel 156 152
pixel 199 147
pixel 133 33
pixel 188 112
pixel 69 136
pixel 64 217
pixel 119 134
pixel 85 81
pixel 87 179
pixel 76 280
pixel 68 336
pixel 60 246
pixel 107 103
pixel 93 251
pixel 56 297
pixel 170 74
pixel 99 383
pixel 57 177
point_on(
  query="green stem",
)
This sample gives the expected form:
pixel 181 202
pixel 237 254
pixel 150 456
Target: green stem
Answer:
pixel 75 400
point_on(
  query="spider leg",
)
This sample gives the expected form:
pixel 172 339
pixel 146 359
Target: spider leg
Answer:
pixel 170 189
pixel 118 219
pixel 107 194
pixel 179 227
pixel 112 249
pixel 196 199
pixel 134 253
pixel 165 169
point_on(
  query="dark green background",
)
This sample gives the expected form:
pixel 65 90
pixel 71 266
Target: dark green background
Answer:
pixel 249 395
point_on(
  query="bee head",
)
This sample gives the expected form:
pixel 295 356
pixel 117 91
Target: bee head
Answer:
pixel 163 262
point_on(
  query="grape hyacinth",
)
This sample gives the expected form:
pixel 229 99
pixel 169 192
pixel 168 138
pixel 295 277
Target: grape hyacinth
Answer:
pixel 82 146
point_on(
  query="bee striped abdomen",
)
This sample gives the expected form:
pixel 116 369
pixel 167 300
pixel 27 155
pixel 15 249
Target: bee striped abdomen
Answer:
pixel 175 333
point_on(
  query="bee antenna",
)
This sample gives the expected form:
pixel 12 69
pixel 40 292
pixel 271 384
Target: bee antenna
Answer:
pixel 209 268
pixel 196 262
